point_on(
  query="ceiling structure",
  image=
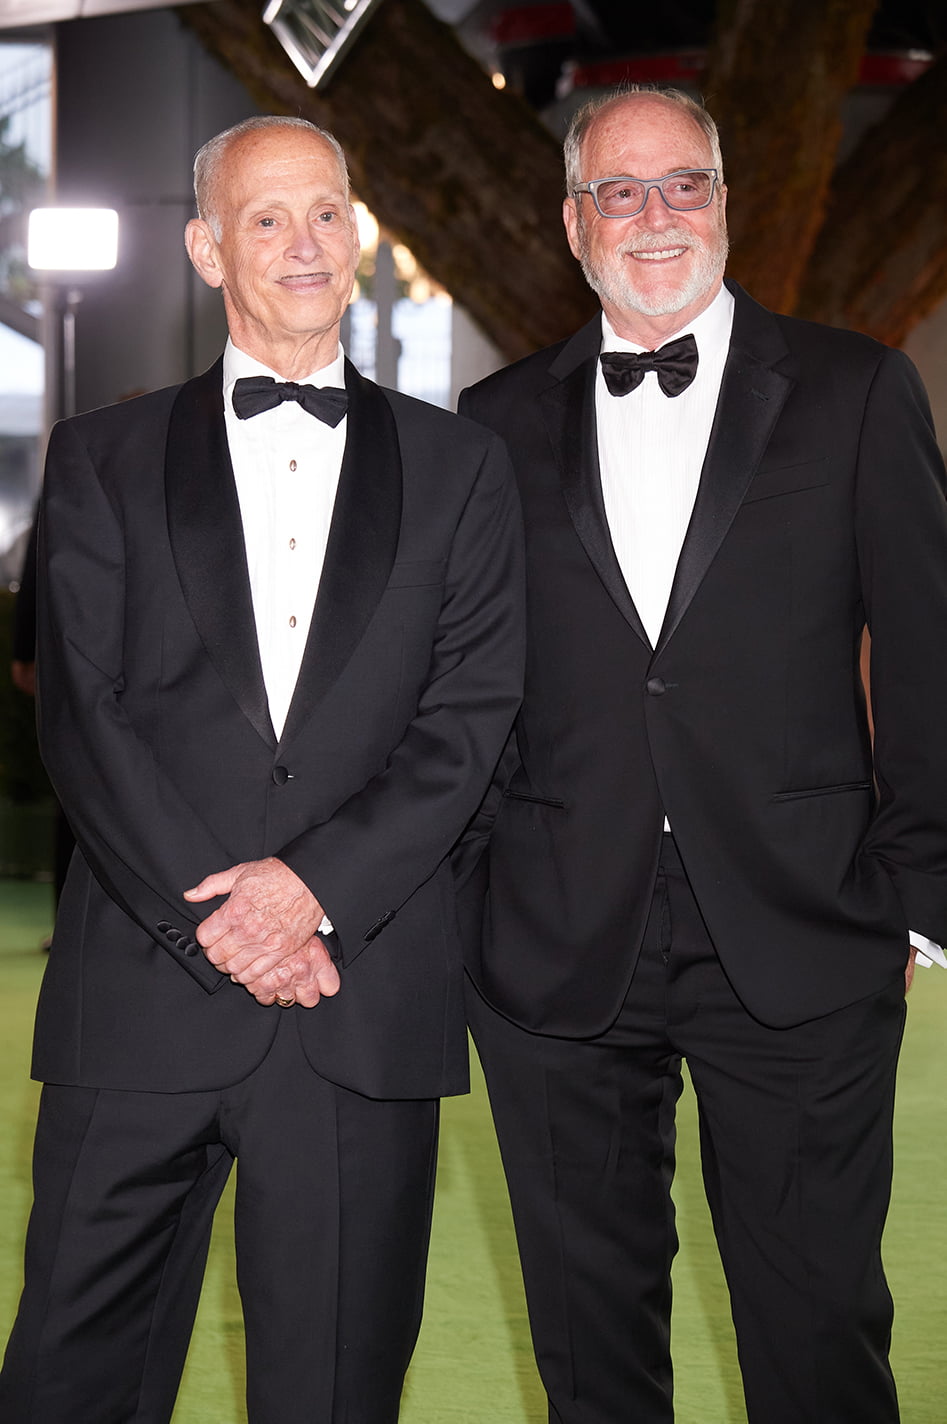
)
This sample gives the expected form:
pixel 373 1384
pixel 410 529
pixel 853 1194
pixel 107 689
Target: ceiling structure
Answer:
pixel 22 14
pixel 601 26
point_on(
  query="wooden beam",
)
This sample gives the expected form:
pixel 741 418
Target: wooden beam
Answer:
pixel 777 76
pixel 880 264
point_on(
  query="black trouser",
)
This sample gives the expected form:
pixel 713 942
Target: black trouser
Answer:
pixel 332 1220
pixel 795 1131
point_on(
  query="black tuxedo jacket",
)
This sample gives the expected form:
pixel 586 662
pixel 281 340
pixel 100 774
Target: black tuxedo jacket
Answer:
pixel 155 729
pixel 820 509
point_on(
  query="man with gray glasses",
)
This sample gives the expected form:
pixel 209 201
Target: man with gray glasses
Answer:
pixel 696 852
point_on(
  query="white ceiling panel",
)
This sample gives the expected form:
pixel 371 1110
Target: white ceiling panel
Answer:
pixel 20 14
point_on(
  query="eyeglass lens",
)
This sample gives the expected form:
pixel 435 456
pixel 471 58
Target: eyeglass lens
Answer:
pixel 623 197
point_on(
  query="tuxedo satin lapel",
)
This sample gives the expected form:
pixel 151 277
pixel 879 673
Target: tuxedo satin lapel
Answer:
pixel 207 543
pixel 363 542
pixel 752 394
pixel 569 411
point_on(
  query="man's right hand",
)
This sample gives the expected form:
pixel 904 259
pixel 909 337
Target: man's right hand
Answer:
pixel 23 676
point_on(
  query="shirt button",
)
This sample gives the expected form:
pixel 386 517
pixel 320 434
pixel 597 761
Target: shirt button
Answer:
pixel 292 622
pixel 292 543
pixel 292 465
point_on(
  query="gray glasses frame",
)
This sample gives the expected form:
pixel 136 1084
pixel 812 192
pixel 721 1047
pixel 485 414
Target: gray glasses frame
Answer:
pixel 592 189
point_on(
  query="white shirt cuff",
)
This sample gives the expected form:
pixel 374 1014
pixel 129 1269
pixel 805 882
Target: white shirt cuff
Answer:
pixel 928 952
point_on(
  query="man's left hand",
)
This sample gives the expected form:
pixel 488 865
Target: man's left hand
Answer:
pixel 268 917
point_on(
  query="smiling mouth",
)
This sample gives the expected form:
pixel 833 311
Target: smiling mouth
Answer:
pixel 664 254
pixel 305 279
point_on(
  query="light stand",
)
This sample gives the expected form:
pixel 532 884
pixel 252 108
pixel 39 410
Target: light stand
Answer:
pixel 61 244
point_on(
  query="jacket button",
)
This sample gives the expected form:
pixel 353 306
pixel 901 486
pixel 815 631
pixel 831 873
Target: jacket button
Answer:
pixel 379 925
pixel 281 775
pixel 163 926
pixel 190 948
pixel 656 686
pixel 173 935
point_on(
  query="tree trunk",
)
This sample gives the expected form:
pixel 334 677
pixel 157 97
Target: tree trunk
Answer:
pixel 465 176
pixel 880 263
pixel 777 76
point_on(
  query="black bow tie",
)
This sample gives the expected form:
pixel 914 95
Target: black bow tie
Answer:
pixel 674 364
pixel 253 394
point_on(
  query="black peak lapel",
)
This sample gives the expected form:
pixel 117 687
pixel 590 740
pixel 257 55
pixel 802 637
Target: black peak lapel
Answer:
pixel 569 411
pixel 363 542
pixel 752 394
pixel 206 534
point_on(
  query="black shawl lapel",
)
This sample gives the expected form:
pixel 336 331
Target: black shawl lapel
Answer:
pixel 569 411
pixel 752 394
pixel 207 543
pixel 363 541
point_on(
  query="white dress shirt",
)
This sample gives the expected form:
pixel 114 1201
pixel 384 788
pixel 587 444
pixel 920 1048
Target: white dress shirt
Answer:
pixel 651 450
pixel 286 465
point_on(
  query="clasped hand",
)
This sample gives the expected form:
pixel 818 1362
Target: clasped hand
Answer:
pixel 264 934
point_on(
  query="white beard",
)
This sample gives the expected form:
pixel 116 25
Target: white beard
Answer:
pixel 614 283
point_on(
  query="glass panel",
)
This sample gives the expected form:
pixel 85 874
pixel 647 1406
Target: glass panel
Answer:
pixel 398 329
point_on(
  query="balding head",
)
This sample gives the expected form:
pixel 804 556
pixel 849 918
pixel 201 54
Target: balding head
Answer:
pixel 210 161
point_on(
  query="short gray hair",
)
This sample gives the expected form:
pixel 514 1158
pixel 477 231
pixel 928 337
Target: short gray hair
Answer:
pixel 209 160
pixel 585 117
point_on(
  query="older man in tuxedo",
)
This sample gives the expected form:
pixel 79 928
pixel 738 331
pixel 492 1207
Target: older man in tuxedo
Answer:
pixel 695 851
pixel 279 647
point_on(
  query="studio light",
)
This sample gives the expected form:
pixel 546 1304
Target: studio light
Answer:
pixel 70 242
pixel 72 239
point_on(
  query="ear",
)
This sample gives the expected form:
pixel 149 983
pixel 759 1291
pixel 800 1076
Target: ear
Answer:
pixel 202 249
pixel 570 216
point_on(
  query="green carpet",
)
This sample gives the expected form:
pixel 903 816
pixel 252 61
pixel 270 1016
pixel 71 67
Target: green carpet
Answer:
pixel 473 1364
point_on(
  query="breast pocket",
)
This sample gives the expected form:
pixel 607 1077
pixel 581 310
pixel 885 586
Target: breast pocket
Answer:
pixel 788 479
pixel 839 788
